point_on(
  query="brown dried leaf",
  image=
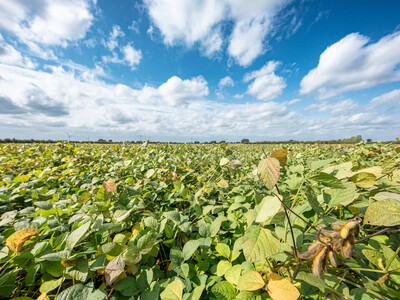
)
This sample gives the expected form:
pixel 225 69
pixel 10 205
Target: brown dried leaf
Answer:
pixel 16 241
pixel 109 185
pixel 281 155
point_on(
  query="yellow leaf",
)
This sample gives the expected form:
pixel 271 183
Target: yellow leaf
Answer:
pixel 69 262
pixel 223 184
pixel 281 155
pixel 135 229
pixel 280 288
pixel 16 241
pixel 43 296
pixel 109 185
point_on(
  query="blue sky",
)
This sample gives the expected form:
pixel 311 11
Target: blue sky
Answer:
pixel 177 70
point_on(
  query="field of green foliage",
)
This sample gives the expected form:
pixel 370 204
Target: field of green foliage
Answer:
pixel 222 221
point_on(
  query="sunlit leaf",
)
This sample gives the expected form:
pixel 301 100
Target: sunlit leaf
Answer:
pixel 269 171
pixel 16 241
pixel 173 291
pixel 259 243
pixel 250 281
pixel 280 288
pixel 385 212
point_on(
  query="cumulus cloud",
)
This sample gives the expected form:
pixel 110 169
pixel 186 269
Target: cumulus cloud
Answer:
pixel 191 22
pixel 47 22
pixel 353 63
pixel 11 56
pixel 345 107
pixel 226 81
pixel 266 84
pixel 112 41
pixel 131 56
pixel 388 100
pixel 175 92
pixel 52 100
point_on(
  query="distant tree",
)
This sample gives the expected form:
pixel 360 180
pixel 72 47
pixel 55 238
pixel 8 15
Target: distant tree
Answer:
pixel 213 142
pixel 245 141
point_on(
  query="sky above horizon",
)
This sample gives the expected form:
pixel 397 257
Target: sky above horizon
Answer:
pixel 199 70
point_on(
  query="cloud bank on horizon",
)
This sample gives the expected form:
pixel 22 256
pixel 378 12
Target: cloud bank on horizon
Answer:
pixel 172 70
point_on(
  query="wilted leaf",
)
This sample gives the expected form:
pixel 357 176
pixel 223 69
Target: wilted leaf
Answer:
pixel 223 184
pixel 259 243
pixel 16 241
pixel 269 206
pixel 235 164
pixel 114 269
pixel 269 171
pixel 173 291
pixel 251 281
pixel 280 288
pixel 281 155
pixel 109 185
pixel 383 213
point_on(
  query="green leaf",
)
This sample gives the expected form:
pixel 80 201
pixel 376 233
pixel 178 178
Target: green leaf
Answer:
pixel 259 243
pixel 232 274
pixel 126 286
pixel 383 213
pixel 364 179
pixel 222 267
pixel 268 207
pixel 173 291
pixel 112 249
pixel 196 293
pixel 146 242
pixel 223 250
pixel 76 235
pixel 250 281
pixel 216 225
pixel 269 171
pixel 312 200
pixel 150 173
pixel 223 290
pixel 343 197
pixel 50 285
pixel 7 282
pixel 189 248
pixel 327 180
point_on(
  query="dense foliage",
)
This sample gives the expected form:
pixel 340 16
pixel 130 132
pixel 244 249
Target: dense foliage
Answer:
pixel 199 221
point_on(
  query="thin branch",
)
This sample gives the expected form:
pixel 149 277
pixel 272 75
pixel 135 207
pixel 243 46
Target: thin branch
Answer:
pixel 310 225
pixel 372 235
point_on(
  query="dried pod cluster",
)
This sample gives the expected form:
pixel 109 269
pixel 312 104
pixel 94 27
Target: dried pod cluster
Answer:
pixel 331 242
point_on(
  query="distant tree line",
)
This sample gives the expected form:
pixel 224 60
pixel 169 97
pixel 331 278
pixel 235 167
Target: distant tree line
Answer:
pixel 353 140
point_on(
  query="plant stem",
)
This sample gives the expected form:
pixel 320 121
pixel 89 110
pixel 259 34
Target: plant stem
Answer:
pixel 392 259
pixel 372 235
pixel 293 203
pixel 284 205
pixel 369 270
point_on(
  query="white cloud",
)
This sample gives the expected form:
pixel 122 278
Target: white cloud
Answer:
pixel 112 42
pixel 191 22
pixel 266 84
pixel 388 100
pixel 175 92
pixel 11 56
pixel 45 103
pixel 345 107
pixel 48 22
pixel 226 81
pixel 294 101
pixel 131 56
pixel 353 64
